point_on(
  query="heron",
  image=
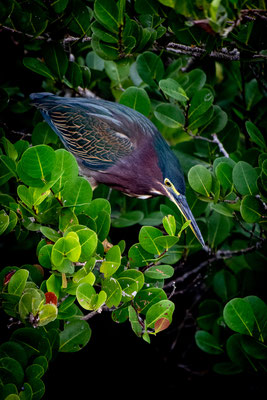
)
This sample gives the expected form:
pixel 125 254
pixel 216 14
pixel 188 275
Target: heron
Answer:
pixel 117 146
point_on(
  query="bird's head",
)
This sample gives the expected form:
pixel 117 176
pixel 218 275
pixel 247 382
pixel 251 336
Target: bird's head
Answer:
pixel 179 199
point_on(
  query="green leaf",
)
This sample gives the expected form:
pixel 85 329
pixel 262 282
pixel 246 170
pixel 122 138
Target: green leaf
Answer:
pixel 75 336
pixel 255 134
pixel 173 89
pixel 135 275
pixel 60 5
pixel 218 229
pixel 239 316
pixel 225 284
pixel 169 224
pixel 150 68
pixel 260 314
pixel 9 148
pixel 102 225
pixel 50 233
pixel 38 388
pixel 245 178
pixel 159 272
pixel 170 115
pixel 113 290
pixel 158 311
pixel 200 103
pixel 200 179
pixel 53 284
pixel 93 61
pixel 106 13
pixel 88 298
pixel 129 288
pixel 47 314
pixel 38 162
pixel 166 241
pixel 87 240
pixel 135 324
pixel 217 121
pixel 30 302
pixel 117 71
pixel 138 257
pixel 43 134
pixel 147 236
pixel 104 34
pixel 107 51
pixel 74 74
pixel 128 219
pixel 33 341
pixel 207 342
pixel 251 209
pixel 4 221
pixel 34 371
pixel 196 79
pixel 13 368
pixel 66 248
pixel 252 93
pixel 38 66
pixel 14 350
pixel 254 348
pixel 208 313
pixel 56 59
pixel 227 368
pixel 112 262
pixel 81 19
pixel 223 173
pixel 17 282
pixel 137 99
pixel 44 256
pixel 147 297
pixel 77 195
pixel 7 169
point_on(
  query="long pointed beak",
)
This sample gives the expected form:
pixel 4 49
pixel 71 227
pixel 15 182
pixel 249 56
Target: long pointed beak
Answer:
pixel 181 203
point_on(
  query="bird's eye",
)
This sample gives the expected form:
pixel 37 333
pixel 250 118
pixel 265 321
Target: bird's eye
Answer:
pixel 167 183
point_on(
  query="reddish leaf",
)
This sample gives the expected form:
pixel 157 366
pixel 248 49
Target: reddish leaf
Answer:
pixel 8 276
pixel 161 324
pixel 50 298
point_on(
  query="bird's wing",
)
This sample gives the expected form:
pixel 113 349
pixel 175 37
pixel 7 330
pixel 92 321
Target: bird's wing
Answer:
pixel 93 139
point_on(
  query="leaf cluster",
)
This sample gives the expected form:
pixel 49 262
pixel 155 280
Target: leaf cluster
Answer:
pixel 197 71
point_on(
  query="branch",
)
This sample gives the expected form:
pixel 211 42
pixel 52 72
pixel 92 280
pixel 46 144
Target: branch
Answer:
pixel 214 140
pixel 219 255
pixel 67 39
pixel 220 145
pixel 97 312
pixel 197 52
pixel 223 54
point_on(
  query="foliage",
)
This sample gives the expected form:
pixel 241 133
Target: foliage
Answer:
pixel 197 70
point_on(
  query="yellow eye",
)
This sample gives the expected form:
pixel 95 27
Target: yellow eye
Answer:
pixel 167 183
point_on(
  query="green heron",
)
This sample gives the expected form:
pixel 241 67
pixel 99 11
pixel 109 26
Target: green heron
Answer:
pixel 117 146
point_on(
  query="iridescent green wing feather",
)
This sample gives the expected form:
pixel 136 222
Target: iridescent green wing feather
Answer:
pixel 93 140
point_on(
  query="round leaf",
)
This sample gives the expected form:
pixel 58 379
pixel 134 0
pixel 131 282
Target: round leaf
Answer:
pixel 239 316
pixel 136 98
pixel 245 178
pixel 207 342
pixel 170 115
pixel 251 209
pixel 75 336
pixel 200 179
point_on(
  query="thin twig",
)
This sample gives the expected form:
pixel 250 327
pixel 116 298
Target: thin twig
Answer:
pixel 215 140
pixel 220 145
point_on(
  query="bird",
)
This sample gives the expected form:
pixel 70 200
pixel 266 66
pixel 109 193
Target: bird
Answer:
pixel 117 146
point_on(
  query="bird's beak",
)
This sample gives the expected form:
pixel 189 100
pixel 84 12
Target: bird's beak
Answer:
pixel 181 203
